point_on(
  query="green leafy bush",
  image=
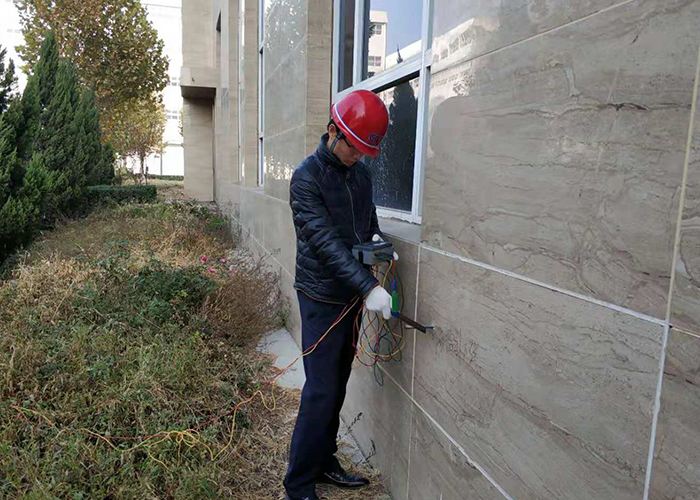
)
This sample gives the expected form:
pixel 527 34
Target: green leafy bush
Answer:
pixel 121 194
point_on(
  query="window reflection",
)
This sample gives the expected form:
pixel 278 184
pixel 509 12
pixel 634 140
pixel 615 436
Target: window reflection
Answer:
pixel 392 34
pixel 392 170
pixel 347 44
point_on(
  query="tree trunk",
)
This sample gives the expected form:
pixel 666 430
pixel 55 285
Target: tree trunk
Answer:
pixel 142 159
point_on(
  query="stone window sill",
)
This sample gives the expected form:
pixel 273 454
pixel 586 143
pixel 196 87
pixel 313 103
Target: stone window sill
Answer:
pixel 400 229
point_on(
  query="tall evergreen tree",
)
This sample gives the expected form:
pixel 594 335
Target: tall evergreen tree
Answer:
pixel 11 171
pixel 8 81
pixel 90 149
pixel 30 122
pixel 107 160
pixel 58 141
pixel 46 69
pixel 20 213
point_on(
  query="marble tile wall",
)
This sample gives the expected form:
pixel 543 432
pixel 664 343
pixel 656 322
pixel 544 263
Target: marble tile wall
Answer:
pixel 685 311
pixel 466 29
pixel 676 469
pixel 558 134
pixel 676 466
pixel 569 153
pixel 516 371
pixel 439 469
pixel 380 421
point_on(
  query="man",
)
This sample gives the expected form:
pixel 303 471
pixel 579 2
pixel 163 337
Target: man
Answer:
pixel 331 200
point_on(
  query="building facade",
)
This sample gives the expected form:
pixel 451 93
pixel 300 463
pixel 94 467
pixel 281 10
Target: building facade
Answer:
pixel 541 183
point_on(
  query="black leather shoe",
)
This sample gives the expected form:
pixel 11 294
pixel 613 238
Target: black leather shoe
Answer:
pixel 343 479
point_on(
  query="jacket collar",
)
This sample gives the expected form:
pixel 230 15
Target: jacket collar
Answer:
pixel 327 158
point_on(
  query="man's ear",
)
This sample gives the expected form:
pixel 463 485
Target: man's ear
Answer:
pixel 332 130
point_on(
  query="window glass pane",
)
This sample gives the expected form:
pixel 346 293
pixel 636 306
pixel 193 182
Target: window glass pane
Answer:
pixel 392 170
pixel 392 33
pixel 347 44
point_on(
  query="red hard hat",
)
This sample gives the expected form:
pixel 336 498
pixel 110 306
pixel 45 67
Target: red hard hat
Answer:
pixel 362 117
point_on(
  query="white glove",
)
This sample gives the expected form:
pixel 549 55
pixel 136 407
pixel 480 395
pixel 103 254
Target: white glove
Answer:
pixel 377 238
pixel 379 301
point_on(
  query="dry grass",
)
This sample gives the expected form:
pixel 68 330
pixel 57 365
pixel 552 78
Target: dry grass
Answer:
pixel 125 340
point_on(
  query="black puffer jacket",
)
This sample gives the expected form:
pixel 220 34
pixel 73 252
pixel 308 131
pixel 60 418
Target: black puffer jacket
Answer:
pixel 333 210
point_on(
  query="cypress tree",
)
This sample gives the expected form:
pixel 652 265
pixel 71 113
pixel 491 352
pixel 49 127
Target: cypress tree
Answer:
pixel 20 212
pixel 90 146
pixel 11 171
pixel 8 81
pixel 28 125
pixel 46 69
pixel 58 140
pixel 107 160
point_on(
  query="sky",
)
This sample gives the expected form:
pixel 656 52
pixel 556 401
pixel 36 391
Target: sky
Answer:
pixel 11 36
pixel 404 21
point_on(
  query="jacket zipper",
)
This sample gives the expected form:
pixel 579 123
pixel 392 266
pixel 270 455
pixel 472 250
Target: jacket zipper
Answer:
pixel 352 208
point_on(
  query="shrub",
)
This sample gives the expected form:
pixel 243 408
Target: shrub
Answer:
pixel 121 194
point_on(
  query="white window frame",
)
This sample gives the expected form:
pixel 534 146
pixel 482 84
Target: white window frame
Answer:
pixel 261 90
pixel 420 63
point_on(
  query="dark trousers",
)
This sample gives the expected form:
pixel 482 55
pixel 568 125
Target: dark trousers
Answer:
pixel 327 370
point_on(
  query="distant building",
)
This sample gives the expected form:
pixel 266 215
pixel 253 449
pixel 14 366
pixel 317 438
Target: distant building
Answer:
pixel 166 18
pixel 377 49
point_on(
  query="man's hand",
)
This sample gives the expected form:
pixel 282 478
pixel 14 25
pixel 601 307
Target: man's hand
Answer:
pixel 377 238
pixel 379 301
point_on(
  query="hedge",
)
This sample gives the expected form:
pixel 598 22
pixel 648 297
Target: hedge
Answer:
pixel 121 194
pixel 167 177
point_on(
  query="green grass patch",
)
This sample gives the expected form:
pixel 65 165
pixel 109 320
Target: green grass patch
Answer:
pixel 125 340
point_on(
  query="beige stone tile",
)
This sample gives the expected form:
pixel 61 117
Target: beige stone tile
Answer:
pixel 467 29
pixel 440 470
pixel 251 206
pixel 561 158
pixel 552 395
pixel 278 233
pixel 197 33
pixel 318 92
pixel 379 418
pixel 401 367
pixel 676 469
pixel 685 312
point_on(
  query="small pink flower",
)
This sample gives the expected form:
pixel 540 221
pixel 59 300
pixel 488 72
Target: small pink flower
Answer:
pixel 203 259
pixel 211 270
pixel 222 260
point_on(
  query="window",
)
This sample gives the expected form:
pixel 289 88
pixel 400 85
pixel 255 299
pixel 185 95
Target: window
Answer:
pixel 344 46
pixel 263 7
pixel 174 81
pixel 383 46
pixel 375 61
pixel 172 114
pixel 375 29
